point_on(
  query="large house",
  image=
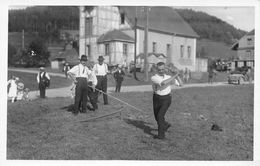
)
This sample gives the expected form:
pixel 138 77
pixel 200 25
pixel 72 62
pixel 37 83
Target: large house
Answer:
pixel 109 31
pixel 245 48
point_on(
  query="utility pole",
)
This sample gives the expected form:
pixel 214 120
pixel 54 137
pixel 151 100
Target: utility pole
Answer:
pixel 23 39
pixel 135 52
pixel 146 44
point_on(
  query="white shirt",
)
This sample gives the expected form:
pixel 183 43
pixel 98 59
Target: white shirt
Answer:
pixel 157 88
pixel 80 71
pixel 100 70
pixel 38 76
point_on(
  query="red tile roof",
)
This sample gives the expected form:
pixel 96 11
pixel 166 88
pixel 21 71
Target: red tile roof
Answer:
pixel 163 19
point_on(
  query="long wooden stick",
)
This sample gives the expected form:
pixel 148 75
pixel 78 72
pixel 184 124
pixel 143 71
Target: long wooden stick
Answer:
pixel 102 116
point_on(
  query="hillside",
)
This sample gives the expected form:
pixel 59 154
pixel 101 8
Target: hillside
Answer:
pixel 215 50
pixel 211 27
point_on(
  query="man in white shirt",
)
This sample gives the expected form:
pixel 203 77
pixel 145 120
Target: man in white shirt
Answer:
pixel 101 71
pixel 43 80
pixel 162 97
pixel 80 74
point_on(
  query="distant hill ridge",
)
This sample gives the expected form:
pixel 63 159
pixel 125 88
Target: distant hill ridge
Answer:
pixel 211 27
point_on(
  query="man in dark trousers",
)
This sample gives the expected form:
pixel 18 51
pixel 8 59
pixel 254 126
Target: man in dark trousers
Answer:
pixel 101 71
pixel 162 97
pixel 80 74
pixel 119 77
pixel 43 80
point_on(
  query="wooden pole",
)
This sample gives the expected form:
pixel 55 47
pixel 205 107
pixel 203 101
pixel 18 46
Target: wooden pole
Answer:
pixel 146 44
pixel 135 51
pixel 23 39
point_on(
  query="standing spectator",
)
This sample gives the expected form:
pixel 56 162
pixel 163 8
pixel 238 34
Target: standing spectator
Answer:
pixel 162 97
pixel 43 80
pixel 186 75
pixel 101 71
pixel 250 75
pixel 66 69
pixel 119 77
pixel 79 74
pixel 211 75
pixel 12 83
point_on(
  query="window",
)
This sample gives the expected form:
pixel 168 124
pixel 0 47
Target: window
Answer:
pixel 154 47
pixel 107 50
pixel 89 50
pixel 125 49
pixel 248 52
pixel 249 41
pixel 88 26
pixel 189 51
pixel 122 17
pixel 182 51
pixel 168 50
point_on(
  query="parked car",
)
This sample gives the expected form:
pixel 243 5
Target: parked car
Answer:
pixel 236 78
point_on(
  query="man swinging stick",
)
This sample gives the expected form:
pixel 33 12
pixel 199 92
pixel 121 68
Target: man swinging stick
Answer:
pixel 162 97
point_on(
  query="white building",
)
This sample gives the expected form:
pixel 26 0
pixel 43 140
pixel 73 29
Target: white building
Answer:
pixel 109 31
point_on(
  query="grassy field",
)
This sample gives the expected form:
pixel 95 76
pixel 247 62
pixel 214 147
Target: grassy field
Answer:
pixel 30 81
pixel 45 129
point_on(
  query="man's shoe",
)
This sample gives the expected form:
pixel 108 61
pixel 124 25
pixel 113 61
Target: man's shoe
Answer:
pixel 75 112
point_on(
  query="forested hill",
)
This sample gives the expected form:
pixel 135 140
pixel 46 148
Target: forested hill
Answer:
pixel 211 27
pixel 48 20
pixel 44 18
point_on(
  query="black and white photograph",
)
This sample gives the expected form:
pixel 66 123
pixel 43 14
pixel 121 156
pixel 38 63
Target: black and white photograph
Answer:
pixel 124 82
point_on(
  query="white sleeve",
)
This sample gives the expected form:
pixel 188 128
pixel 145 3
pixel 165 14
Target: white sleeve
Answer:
pixel 156 80
pixel 94 78
pixel 47 75
pixel 106 68
pixel 38 79
pixel 74 70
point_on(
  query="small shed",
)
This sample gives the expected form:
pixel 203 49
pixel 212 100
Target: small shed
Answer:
pixel 70 56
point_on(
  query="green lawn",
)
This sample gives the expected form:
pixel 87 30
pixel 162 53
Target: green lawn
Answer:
pixel 44 129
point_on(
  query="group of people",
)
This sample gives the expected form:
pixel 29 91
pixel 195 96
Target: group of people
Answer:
pixel 16 90
pixel 90 81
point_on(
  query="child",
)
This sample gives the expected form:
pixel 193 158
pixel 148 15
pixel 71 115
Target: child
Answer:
pixel 13 88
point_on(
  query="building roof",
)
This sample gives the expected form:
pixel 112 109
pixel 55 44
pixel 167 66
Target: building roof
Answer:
pixel 69 55
pixel 141 55
pixel 115 35
pixel 163 19
pixel 236 44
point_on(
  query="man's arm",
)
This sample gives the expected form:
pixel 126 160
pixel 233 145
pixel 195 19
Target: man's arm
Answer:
pixel 169 80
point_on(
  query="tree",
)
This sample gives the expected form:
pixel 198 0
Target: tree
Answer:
pixel 36 55
pixel 11 54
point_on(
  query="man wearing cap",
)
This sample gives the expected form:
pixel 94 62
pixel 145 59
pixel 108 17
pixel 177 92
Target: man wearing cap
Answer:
pixel 162 97
pixel 101 71
pixel 79 74
pixel 43 80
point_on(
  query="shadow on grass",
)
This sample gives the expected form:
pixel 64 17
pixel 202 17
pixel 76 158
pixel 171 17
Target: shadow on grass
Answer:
pixel 141 125
pixel 68 108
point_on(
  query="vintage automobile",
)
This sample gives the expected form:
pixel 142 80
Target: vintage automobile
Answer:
pixel 236 78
